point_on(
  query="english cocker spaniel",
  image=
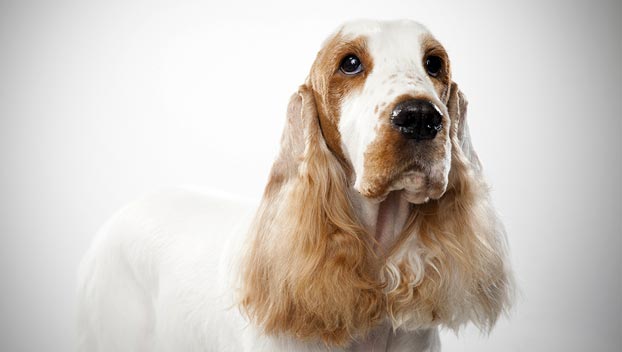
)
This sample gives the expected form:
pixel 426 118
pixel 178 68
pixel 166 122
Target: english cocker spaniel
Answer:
pixel 375 227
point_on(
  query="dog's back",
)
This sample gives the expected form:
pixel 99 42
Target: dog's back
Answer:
pixel 158 275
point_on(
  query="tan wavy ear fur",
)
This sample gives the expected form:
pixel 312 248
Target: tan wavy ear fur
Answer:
pixel 309 270
pixel 449 267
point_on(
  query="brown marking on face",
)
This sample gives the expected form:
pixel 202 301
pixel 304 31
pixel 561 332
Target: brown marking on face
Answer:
pixel 376 109
pixel 330 85
pixel 431 47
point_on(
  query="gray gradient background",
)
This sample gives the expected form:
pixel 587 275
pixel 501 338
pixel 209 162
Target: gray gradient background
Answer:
pixel 102 102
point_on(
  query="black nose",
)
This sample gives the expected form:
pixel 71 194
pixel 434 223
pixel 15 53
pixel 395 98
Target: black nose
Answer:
pixel 417 119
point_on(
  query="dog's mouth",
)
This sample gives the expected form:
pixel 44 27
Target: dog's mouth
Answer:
pixel 414 186
pixel 418 187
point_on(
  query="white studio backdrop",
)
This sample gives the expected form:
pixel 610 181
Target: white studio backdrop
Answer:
pixel 101 102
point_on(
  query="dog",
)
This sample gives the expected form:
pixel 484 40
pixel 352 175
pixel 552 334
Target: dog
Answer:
pixel 374 230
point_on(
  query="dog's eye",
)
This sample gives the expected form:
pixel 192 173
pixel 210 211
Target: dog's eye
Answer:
pixel 434 65
pixel 351 65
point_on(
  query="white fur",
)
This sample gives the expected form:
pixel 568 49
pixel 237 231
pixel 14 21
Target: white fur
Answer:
pixel 159 277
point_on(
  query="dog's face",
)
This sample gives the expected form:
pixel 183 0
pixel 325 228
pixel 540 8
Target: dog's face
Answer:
pixel 381 90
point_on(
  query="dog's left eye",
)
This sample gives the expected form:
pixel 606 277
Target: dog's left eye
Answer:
pixel 351 65
pixel 434 65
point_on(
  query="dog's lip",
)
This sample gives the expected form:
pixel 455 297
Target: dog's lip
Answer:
pixel 415 186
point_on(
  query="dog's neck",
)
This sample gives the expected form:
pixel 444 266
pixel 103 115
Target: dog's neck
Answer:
pixel 384 219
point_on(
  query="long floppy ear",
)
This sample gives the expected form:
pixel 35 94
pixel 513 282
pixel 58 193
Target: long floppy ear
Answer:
pixel 308 271
pixel 497 284
pixel 458 269
pixel 457 106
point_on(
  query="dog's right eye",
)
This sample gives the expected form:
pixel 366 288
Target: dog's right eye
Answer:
pixel 351 65
pixel 434 65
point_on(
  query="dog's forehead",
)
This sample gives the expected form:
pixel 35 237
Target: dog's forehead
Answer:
pixel 394 38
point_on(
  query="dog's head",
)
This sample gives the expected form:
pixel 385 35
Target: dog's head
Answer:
pixel 381 91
